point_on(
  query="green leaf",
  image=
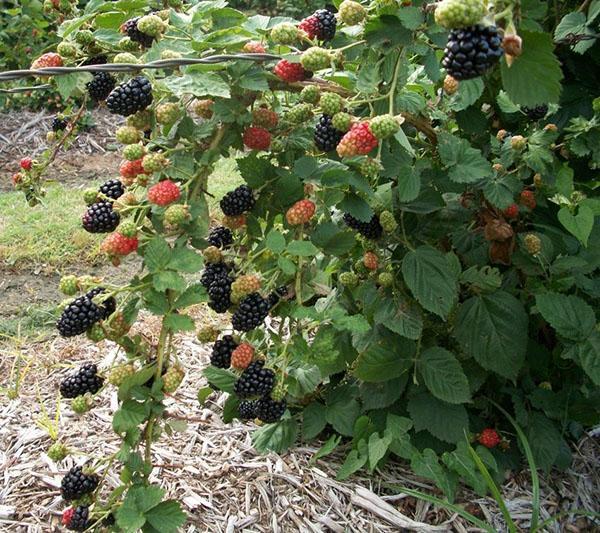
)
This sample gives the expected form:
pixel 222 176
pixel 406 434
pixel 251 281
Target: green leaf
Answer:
pixel 276 437
pixel 328 237
pixel 275 241
pixel 587 354
pixel 378 447
pixel 177 323
pixel 396 427
pixel 157 254
pixel 357 207
pixel 409 184
pixel 537 62
pixel 443 375
pixel 426 464
pixel 575 23
pixel 468 93
pixel 286 265
pixel 193 295
pixel 342 410
pixel 168 279
pixel 382 394
pixel 579 225
pixel 129 416
pixel 185 260
pixel 570 316
pixel 500 191
pixel 313 420
pixel 446 421
pixel 429 277
pixel 384 361
pixel 460 461
pixel 330 445
pixel 493 330
pixel 166 517
pixel 70 84
pixel 544 439
pixel 198 83
pixel 304 380
pixel 353 463
pixel 219 377
pixel 302 248
pixel 505 104
pixel 401 317
pixel 465 163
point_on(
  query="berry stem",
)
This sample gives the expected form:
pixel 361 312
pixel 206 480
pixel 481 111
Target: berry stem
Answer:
pixel 394 86
pixel 298 286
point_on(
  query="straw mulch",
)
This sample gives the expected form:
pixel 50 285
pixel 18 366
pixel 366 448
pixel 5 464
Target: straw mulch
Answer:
pixel 211 467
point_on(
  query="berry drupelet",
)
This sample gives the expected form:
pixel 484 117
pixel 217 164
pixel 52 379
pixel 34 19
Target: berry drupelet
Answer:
pixel 85 380
pixel 100 218
pixel 82 313
pixel 255 381
pixel 112 189
pixel 326 136
pixel 130 97
pixel 77 484
pixel 100 86
pixel 238 201
pixel 370 230
pixel 251 313
pixel 221 352
pixel 221 237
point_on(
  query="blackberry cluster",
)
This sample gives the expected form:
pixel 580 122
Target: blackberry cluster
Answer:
pixel 82 313
pixel 238 201
pixel 274 298
pixel 535 113
pixel 472 51
pixel 255 381
pixel 59 124
pixel 100 218
pixel 100 86
pixel 370 230
pixel 251 313
pixel 269 410
pixel 77 484
pixel 79 519
pixel 131 29
pixel 212 271
pixel 221 352
pixel 247 410
pixel 326 136
pixel 326 24
pixel 219 292
pixel 130 97
pixel 112 189
pixel 86 379
pixel 221 237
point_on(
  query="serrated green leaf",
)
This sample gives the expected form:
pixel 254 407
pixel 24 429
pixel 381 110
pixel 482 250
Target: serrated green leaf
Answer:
pixel 443 420
pixel 426 464
pixel 185 260
pixel 198 83
pixel 193 295
pixel 443 375
pixel 579 225
pixel 465 164
pixel 587 354
pixel 219 377
pixel 275 241
pixel 328 237
pixel 157 254
pixel 167 279
pixel 468 93
pixel 313 420
pixel 129 416
pixel 357 207
pixel 342 410
pixel 166 517
pixel 276 437
pixel 286 265
pixel 383 362
pixel 544 439
pixel 570 316
pixel 177 323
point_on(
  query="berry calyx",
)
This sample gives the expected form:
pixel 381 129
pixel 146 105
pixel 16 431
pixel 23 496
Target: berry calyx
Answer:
pixel 242 356
pixel 300 213
pixel 358 141
pixel 164 193
pixel 257 138
pixel 489 438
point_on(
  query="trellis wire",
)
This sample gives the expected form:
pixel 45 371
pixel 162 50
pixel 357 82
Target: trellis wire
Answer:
pixel 11 75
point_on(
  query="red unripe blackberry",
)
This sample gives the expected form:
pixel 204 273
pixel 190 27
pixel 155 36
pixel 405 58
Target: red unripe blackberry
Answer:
pixel 251 313
pixel 221 352
pixel 100 218
pixel 82 313
pixel 247 409
pixel 131 169
pixel 358 141
pixel 100 86
pixel 370 230
pixel 238 201
pixel 254 47
pixel 291 72
pixel 242 356
pixel 50 59
pixel 112 189
pixel 77 484
pixel 130 97
pixel 371 261
pixel 270 411
pixel 512 211
pixel 489 438
pixel 131 29
pixel 164 192
pixel 264 117
pixel 221 237
pixel 257 138
pixel 255 381
pixel 527 199
pixel 321 24
pixel 116 244
pixel 26 163
pixel 300 213
pixel 85 380
pixel 326 136
pixel 76 519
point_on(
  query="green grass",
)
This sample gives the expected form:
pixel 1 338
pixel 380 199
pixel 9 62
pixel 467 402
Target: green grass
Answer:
pixel 47 235
pixel 31 322
pixel 224 178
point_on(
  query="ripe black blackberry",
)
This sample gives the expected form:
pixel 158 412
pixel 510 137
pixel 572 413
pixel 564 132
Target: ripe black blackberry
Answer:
pixel 59 124
pixel 326 26
pixel 247 410
pixel 274 297
pixel 130 97
pixel 211 272
pixel 112 189
pixel 100 218
pixel 100 86
pixel 472 51
pixel 269 410
pixel 96 60
pixel 238 201
pixel 255 381
pixel 326 136
pixel 82 313
pixel 220 294
pixel 79 520
pixel 77 484
pixel 251 313
pixel 221 352
pixel 370 230
pixel 535 113
pixel 131 29
pixel 86 379
pixel 221 237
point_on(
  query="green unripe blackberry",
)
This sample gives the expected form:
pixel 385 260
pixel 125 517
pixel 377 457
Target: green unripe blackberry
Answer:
pixel 120 373
pixel 360 268
pixel 384 126
pixel 453 14
pixel 208 334
pixel 316 58
pixel 533 244
pixel 277 145
pixel 212 255
pixel 95 333
pixel 385 279
pixel 84 37
pixel 299 113
pixel 125 57
pixel 128 135
pixel 142 120
pixel 151 25
pixel 128 229
pixel 370 167
pixel 342 121
pixel 172 379
pixel 310 94
pixel 127 45
pixel 81 404
pixel 57 452
pixel 285 33
pixel 348 279
pixel 155 162
pixel 133 152
pixel 68 285
pixel 170 54
pixel 167 113
pixel 90 196
pixel 65 49
pixel 596 105
pixel 351 13
pixel 176 215
pixel 331 103
pixel 279 393
pixel 388 222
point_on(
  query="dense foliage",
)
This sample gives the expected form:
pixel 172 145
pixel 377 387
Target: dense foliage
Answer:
pixel 410 250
